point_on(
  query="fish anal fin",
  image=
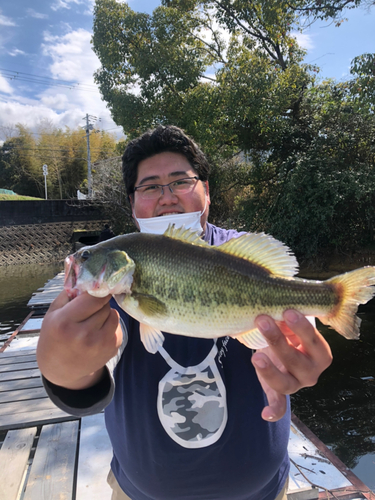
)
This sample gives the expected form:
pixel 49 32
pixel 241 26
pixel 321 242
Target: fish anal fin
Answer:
pixel 252 339
pixel 151 338
pixel 263 250
pixel 150 305
pixel 185 235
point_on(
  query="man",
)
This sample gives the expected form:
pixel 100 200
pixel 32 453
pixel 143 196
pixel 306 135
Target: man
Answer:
pixel 199 419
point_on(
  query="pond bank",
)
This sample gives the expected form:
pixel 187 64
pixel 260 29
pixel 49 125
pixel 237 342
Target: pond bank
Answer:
pixel 326 266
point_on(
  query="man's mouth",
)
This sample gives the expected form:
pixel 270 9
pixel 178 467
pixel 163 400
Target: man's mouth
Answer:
pixel 169 213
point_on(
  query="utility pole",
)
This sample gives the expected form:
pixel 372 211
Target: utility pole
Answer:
pixel 89 127
pixel 45 173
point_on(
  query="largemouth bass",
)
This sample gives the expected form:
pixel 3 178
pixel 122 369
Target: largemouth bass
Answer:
pixel 179 284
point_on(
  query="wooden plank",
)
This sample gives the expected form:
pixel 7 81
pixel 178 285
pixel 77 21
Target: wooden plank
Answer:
pixel 23 395
pixel 48 293
pixel 21 343
pixel 27 383
pixel 14 367
pixel 6 344
pixel 95 455
pixel 13 353
pixel 14 360
pixel 33 324
pixel 17 407
pixel 304 494
pixel 41 417
pixel 19 375
pixel 14 455
pixel 338 478
pixel 52 471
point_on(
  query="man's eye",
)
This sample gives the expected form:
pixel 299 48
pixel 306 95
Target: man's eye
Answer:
pixel 151 188
pixel 182 182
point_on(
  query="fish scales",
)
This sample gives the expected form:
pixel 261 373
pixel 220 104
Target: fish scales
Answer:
pixel 216 280
pixel 178 284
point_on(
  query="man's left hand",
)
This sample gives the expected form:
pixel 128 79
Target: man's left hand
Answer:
pixel 296 357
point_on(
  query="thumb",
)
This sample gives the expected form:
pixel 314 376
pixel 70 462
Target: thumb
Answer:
pixel 60 301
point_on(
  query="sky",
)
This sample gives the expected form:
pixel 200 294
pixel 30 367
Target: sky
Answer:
pixel 47 64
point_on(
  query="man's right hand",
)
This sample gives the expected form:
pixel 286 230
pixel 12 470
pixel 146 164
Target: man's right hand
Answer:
pixel 77 339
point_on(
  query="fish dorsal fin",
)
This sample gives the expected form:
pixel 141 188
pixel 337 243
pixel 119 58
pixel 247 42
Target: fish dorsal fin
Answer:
pixel 186 235
pixel 265 251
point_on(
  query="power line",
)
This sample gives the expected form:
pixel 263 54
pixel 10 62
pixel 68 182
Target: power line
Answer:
pixel 49 82
pixel 47 78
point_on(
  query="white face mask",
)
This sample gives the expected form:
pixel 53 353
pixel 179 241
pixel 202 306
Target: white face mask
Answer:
pixel 158 225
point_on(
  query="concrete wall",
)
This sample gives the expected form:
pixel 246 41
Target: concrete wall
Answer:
pixel 47 211
pixel 42 231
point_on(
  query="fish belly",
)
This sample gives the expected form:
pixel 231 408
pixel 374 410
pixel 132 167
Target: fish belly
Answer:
pixel 227 306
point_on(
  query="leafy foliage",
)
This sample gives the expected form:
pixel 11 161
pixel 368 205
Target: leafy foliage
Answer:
pixel 63 151
pixel 320 192
pixel 290 155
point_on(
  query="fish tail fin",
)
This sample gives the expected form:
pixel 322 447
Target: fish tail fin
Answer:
pixel 352 288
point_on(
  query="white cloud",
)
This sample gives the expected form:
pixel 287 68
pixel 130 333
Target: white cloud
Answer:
pixel 12 113
pixel 17 52
pixel 305 41
pixel 4 86
pixel 72 60
pixel 56 101
pixel 65 4
pixel 37 15
pixel 72 56
pixel 6 21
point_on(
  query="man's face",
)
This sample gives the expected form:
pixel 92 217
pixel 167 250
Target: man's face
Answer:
pixel 162 169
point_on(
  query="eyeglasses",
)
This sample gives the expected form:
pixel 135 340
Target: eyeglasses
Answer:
pixel 154 191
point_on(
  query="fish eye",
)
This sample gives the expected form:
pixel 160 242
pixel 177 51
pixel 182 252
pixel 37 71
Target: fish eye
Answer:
pixel 85 255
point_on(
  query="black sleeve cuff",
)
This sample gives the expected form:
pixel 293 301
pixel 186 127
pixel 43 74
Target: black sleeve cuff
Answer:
pixel 82 398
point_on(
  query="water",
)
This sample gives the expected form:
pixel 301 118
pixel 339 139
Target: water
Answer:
pixel 340 409
pixel 17 284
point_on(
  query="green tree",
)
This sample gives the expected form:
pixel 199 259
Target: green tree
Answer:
pixel 291 156
pixel 19 165
pixel 156 69
pixel 63 151
pixel 320 189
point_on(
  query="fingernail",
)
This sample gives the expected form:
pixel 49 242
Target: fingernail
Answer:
pixel 263 325
pixel 291 316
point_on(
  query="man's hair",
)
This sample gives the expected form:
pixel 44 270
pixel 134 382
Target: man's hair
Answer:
pixel 159 140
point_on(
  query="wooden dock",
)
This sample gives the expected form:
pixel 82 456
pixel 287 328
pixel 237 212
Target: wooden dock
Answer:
pixel 43 297
pixel 47 454
pixel 42 443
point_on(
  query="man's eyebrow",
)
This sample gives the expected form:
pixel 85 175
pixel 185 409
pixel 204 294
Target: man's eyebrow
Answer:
pixel 154 178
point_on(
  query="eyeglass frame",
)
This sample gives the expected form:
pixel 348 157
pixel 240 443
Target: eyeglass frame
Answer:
pixel 162 186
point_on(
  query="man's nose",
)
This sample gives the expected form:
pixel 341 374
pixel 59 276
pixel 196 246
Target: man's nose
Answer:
pixel 167 195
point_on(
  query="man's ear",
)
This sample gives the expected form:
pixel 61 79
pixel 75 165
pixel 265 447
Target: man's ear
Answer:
pixel 131 201
pixel 207 192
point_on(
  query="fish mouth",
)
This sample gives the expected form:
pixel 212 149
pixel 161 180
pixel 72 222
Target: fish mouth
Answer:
pixel 71 273
pixel 78 281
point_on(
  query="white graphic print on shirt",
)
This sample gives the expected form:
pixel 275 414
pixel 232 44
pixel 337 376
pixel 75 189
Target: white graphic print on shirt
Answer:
pixel 192 404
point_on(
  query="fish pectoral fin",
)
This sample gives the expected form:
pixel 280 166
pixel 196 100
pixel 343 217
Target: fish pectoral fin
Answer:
pixel 252 339
pixel 150 305
pixel 151 338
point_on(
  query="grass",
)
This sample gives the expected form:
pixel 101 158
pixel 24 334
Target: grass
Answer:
pixel 16 197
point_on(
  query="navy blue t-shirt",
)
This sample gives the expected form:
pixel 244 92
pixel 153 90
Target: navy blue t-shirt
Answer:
pixel 185 423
